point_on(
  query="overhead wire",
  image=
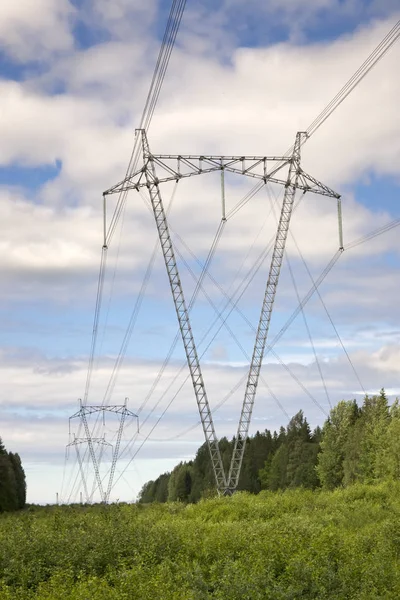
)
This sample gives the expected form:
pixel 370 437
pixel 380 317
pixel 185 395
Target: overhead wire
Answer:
pixel 204 270
pixel 288 262
pixel 99 297
pixel 374 58
pixel 372 234
pixel 167 45
pixel 234 337
pixel 269 347
pixel 329 317
pixel 370 62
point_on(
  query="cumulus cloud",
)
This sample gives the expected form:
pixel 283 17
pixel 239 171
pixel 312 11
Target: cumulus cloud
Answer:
pixel 35 382
pixel 32 30
pixel 79 114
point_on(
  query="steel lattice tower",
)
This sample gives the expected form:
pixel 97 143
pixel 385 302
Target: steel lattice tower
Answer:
pixel 92 442
pixel 157 169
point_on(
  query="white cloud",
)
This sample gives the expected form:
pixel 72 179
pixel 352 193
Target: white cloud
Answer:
pixel 252 103
pixel 121 18
pixel 31 30
pixel 33 382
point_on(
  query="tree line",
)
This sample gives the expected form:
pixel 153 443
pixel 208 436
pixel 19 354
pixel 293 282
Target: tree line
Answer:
pixel 12 481
pixel 356 444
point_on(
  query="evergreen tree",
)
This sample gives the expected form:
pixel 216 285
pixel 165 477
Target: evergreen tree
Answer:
pixel 276 476
pixel 354 444
pixel 258 450
pixel 366 444
pixel 375 417
pixel 8 486
pixel 20 481
pixel 12 481
pixel 336 433
pixel 293 463
pixel 146 494
pixel 388 455
pixel 161 488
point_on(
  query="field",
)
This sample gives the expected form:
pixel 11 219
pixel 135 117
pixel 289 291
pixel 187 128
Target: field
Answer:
pixel 289 545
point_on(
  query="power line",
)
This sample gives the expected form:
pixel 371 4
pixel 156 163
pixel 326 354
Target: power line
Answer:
pixel 168 42
pixel 167 45
pixel 374 58
pixel 376 55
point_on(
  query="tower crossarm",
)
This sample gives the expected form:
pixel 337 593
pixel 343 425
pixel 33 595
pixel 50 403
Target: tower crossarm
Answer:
pixel 295 180
pixel 101 441
pixel 172 167
pixel 89 409
pixel 182 314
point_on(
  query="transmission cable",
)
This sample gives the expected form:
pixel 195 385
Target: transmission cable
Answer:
pixel 269 347
pixel 358 76
pixel 167 45
pixel 250 276
pixel 372 234
pixel 372 60
pixel 329 316
pixel 135 313
pixel 205 268
pixel 99 296
pixel 273 199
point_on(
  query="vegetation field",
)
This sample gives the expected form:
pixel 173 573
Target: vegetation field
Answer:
pixel 275 545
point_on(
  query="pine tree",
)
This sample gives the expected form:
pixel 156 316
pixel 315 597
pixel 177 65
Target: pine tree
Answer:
pixel 336 433
pixel 8 486
pixel 388 455
pixel 20 481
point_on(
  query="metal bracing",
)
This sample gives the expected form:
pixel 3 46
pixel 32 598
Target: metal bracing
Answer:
pixel 76 443
pixel 85 409
pixel 78 455
pixel 175 167
pixel 82 413
pixel 157 169
pixel 124 413
pixel 182 314
pixel 265 316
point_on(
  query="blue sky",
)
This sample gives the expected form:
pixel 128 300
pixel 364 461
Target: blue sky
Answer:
pixel 243 78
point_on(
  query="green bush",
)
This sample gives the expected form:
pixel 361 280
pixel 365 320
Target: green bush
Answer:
pixel 276 545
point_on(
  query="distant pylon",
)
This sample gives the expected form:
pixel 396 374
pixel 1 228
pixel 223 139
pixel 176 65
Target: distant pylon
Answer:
pixel 99 442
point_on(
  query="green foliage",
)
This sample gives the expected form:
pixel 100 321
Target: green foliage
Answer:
pixel 336 434
pixel 293 463
pixel 12 481
pixel 283 545
pixel 354 445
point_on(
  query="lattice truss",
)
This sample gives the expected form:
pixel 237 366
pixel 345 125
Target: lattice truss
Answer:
pixel 102 451
pixel 281 170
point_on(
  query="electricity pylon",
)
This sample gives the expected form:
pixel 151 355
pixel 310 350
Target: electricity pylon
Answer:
pixel 91 442
pixel 157 169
